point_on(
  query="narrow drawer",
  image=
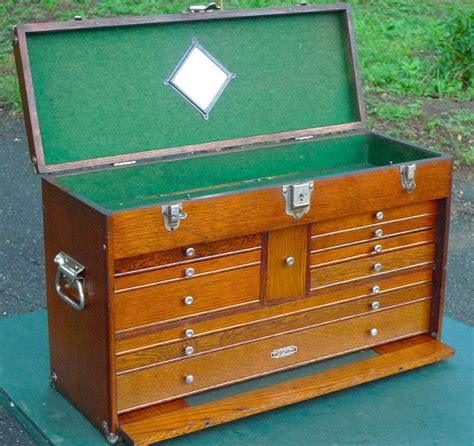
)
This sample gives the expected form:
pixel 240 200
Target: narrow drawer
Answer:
pixel 356 269
pixel 126 343
pixel 152 305
pixel 176 379
pixel 188 271
pixel 282 324
pixel 375 232
pixel 185 254
pixel 371 248
pixel 376 217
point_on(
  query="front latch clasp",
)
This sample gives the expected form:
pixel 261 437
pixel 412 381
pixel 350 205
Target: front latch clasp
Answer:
pixel 407 177
pixel 204 8
pixel 172 215
pixel 298 198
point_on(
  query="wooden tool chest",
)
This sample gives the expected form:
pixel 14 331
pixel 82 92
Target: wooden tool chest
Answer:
pixel 215 210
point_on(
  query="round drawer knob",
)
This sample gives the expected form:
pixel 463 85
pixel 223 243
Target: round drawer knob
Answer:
pixel 189 333
pixel 188 300
pixel 378 267
pixel 378 233
pixel 375 306
pixel 290 261
pixel 376 289
pixel 379 215
pixel 374 332
pixel 188 351
pixel 378 248
pixel 189 379
pixel 190 252
pixel 189 272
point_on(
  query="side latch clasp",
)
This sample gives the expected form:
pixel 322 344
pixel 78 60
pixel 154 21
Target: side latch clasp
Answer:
pixel 172 215
pixel 298 198
pixel 407 177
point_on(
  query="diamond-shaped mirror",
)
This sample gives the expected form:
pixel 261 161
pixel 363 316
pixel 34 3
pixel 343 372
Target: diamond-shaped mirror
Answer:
pixel 200 78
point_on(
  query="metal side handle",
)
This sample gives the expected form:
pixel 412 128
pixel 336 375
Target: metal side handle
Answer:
pixel 70 270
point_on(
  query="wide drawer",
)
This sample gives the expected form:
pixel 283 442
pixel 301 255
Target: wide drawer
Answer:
pixel 187 254
pixel 152 305
pixel 283 324
pixel 195 374
pixel 371 267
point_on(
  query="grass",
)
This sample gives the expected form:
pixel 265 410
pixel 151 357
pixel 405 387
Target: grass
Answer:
pixel 407 49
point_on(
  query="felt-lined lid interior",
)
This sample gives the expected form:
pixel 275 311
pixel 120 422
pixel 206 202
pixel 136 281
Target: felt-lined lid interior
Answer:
pixel 99 92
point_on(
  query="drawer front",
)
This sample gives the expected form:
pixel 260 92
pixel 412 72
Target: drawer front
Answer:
pixel 372 248
pixel 187 253
pixel 357 269
pixel 156 304
pixel 176 379
pixel 283 324
pixel 188 271
pixel 376 232
pixel 377 217
pixel 157 336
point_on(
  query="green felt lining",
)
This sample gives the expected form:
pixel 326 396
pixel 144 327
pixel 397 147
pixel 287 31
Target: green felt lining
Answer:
pixel 160 182
pixel 101 92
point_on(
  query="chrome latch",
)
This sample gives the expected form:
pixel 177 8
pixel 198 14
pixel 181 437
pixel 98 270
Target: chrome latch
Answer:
pixel 298 198
pixel 172 215
pixel 407 177
pixel 203 8
pixel 70 270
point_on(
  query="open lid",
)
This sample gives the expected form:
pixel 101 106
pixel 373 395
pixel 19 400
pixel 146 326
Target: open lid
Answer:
pixel 122 90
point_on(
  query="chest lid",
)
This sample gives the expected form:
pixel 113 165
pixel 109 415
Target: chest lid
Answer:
pixel 111 91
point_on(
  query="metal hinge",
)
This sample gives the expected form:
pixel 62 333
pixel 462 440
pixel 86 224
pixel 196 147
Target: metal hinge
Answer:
pixel 298 198
pixel 203 8
pixel 172 215
pixel 407 177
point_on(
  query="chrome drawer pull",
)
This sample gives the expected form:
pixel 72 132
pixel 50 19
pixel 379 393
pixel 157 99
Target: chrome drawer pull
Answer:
pixel 374 332
pixel 189 333
pixel 188 300
pixel 189 272
pixel 190 252
pixel 188 351
pixel 189 379
pixel 376 289
pixel 375 306
pixel 379 215
pixel 290 261
pixel 378 233
pixel 378 267
pixel 378 248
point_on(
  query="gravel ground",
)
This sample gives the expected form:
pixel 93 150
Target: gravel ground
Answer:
pixel 21 248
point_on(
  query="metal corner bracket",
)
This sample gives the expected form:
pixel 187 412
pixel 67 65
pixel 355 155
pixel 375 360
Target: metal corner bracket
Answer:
pixel 298 198
pixel 172 215
pixel 407 177
pixel 111 437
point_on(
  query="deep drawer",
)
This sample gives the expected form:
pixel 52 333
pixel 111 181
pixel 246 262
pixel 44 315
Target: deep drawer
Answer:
pixel 165 302
pixel 357 269
pixel 180 378
pixel 282 324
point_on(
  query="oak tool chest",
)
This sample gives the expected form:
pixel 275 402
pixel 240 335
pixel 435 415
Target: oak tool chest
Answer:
pixel 215 211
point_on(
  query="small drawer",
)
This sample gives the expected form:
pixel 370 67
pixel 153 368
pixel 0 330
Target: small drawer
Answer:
pixel 176 300
pixel 372 248
pixel 377 266
pixel 376 217
pixel 147 262
pixel 188 271
pixel 197 344
pixel 180 378
pixel 375 232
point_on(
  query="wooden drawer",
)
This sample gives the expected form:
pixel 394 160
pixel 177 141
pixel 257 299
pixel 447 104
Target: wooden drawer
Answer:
pixel 366 233
pixel 186 254
pixel 372 248
pixel 168 381
pixel 357 269
pixel 126 343
pixel 377 217
pixel 188 271
pixel 283 324
pixel 152 305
